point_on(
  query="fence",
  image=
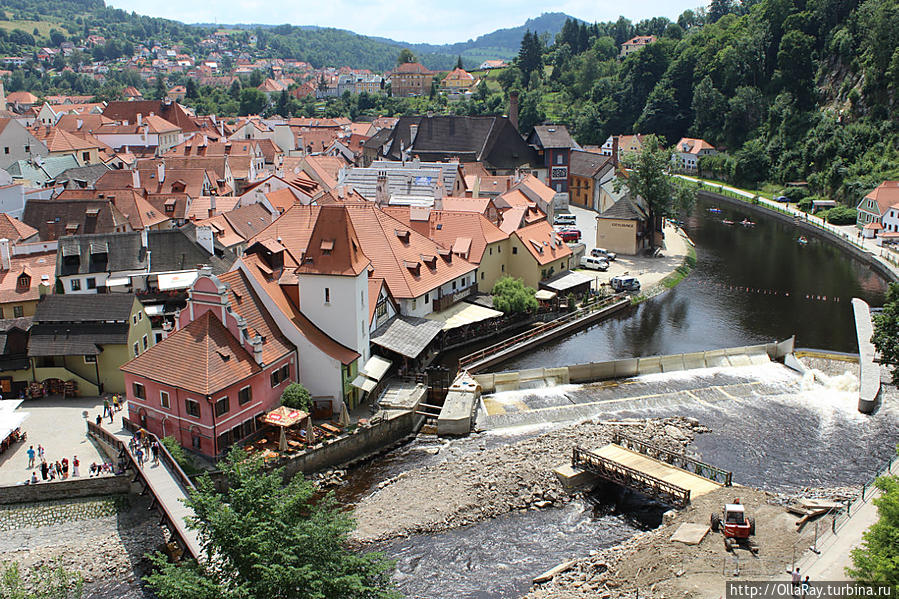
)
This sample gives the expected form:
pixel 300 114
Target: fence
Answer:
pixel 583 312
pixel 164 456
pixel 675 459
pixel 837 517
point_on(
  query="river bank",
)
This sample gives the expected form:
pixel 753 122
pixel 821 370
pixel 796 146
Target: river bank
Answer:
pixel 493 481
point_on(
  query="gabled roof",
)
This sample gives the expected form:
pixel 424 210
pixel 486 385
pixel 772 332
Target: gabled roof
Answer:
pixel 85 308
pixel 203 357
pixel 623 209
pixel 170 111
pixel 60 140
pixel 129 202
pixel 551 136
pixel 885 195
pixel 57 218
pixel 447 228
pixel 691 145
pixel 238 225
pixel 37 267
pixel 588 164
pixel 412 68
pixel 247 304
pixel 542 242
pixel 333 248
pixel 15 230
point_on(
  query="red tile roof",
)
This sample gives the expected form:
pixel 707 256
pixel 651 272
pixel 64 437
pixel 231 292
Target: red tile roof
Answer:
pixel 203 357
pixel 247 304
pixel 13 229
pixel 542 242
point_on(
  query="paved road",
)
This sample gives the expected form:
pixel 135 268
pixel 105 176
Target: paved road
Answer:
pixel 170 493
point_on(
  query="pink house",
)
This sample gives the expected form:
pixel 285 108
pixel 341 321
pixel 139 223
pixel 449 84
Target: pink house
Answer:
pixel 207 383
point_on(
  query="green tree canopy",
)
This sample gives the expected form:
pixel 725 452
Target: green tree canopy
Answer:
pixel 268 539
pixel 405 55
pixel 648 179
pixel 296 396
pixel 511 295
pixel 886 331
pixel 877 560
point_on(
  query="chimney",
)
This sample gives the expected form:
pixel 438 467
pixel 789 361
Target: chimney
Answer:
pixel 615 151
pixel 256 342
pixel 79 123
pixel 439 194
pixel 144 238
pixel 205 239
pixel 211 206
pixel 140 119
pixel 4 254
pixel 135 179
pixel 382 198
pixel 513 109
pixel 160 172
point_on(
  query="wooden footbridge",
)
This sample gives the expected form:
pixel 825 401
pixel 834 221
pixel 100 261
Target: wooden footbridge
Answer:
pixel 668 476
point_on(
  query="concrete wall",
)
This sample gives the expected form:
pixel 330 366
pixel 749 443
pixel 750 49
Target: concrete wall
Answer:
pixel 65 489
pixel 617 235
pixel 629 367
pixel 364 441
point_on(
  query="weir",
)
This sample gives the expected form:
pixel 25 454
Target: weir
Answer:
pixel 629 367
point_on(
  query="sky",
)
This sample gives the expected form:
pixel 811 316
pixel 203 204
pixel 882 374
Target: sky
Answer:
pixel 415 21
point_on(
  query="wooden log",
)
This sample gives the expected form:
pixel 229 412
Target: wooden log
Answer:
pixel 552 572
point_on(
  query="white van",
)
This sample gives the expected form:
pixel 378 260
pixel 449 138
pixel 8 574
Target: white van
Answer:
pixel 594 263
pixel 564 219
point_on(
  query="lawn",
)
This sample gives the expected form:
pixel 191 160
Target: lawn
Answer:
pixel 43 27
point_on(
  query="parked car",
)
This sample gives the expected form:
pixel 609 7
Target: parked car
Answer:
pixel 624 283
pixel 570 235
pixel 564 219
pixel 595 263
pixel 601 253
pixel 782 199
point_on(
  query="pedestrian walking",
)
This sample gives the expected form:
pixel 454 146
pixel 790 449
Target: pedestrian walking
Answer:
pixel 45 469
pixel 116 404
pixel 111 416
pixel 155 448
pixel 31 455
pixel 140 456
pixel 40 451
pixel 105 407
pixel 795 580
pixel 52 472
pixel 58 470
pixel 806 586
pixel 65 468
pixel 75 464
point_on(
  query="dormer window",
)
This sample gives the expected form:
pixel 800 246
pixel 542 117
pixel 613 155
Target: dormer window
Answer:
pixel 327 246
pixel 403 235
pixel 414 267
pixel 23 283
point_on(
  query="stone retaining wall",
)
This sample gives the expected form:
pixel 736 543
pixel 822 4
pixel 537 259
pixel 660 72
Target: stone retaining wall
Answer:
pixel 65 489
pixel 49 513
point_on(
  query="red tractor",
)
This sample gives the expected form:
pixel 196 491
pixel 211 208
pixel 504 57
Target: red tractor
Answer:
pixel 735 525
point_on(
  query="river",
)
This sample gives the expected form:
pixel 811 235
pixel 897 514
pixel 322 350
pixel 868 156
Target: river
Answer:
pixel 773 430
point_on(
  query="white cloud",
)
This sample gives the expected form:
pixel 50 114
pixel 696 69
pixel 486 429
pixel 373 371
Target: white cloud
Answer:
pixel 414 21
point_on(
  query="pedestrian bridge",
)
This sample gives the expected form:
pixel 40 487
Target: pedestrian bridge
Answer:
pixel 166 482
pixel 667 476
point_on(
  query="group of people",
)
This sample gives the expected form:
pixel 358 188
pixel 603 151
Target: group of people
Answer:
pixel 142 448
pixel 800 586
pixel 50 470
pixel 110 408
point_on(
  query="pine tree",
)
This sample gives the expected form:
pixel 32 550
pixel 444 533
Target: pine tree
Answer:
pixel 459 62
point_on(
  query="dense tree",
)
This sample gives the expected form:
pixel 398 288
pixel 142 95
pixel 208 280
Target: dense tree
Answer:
pixel 406 55
pixel 886 331
pixel 191 86
pixel 264 538
pixel 876 561
pixel 252 101
pixel 529 55
pixel 296 396
pixel 511 296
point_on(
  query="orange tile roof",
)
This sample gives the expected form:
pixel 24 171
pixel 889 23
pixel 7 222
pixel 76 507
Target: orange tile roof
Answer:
pixel 693 144
pixel 247 304
pixel 255 268
pixel 447 227
pixel 538 187
pixel 36 266
pixel 399 255
pixel 454 204
pixel 374 292
pixel 282 199
pixel 200 205
pixel 885 195
pixel 60 140
pixel 542 242
pixel 13 229
pixel 333 247
pixel 203 357
pixel 132 204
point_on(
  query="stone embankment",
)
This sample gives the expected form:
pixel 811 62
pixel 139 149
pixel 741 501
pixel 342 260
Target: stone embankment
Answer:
pixel 103 539
pixel 488 483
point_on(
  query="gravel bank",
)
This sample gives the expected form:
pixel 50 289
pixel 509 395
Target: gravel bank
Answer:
pixel 103 539
pixel 490 482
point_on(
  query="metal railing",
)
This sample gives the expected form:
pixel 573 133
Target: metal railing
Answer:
pixel 165 457
pixel 629 477
pixel 680 460
pixel 175 527
pixel 582 312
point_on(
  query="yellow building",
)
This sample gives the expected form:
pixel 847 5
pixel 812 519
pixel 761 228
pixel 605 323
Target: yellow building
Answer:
pixel 622 228
pixel 86 339
pixel 24 279
pixel 536 253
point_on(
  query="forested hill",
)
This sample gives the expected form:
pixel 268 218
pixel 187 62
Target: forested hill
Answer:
pixel 29 23
pixel 795 90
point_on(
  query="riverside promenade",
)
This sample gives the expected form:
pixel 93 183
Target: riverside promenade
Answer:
pixel 847 233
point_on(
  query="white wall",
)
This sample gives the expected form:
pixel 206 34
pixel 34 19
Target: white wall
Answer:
pixel 12 200
pixel 345 316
